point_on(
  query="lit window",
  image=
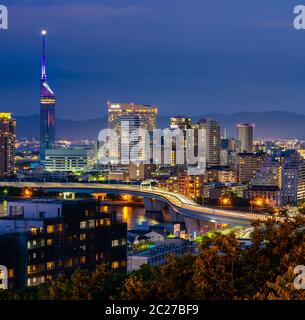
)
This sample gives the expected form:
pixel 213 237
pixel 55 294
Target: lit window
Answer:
pixel 99 256
pixel 82 260
pixel 115 243
pixel 50 242
pixel 50 265
pixel 10 273
pixel 82 237
pixel 50 229
pixel 115 265
pixel 91 224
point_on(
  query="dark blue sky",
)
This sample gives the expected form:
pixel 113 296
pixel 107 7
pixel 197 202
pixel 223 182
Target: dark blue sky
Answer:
pixel 186 56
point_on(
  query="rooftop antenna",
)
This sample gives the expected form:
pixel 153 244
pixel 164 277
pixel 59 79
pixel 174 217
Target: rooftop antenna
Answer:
pixel 43 63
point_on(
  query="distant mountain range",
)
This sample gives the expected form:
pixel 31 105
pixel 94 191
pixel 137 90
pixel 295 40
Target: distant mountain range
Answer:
pixel 273 124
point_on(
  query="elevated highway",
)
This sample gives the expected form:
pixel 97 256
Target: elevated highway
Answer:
pixel 180 206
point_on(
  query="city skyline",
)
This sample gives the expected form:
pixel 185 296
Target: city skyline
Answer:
pixel 244 59
pixel 159 155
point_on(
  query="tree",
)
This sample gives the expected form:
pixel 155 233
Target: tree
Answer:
pixel 215 268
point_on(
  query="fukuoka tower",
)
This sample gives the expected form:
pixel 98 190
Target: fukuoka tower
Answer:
pixel 47 107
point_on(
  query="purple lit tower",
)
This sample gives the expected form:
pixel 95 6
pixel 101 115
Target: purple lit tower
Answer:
pixel 47 107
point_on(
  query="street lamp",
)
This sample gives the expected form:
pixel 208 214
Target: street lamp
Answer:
pixel 225 201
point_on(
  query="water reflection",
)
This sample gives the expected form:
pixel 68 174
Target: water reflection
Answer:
pixel 133 216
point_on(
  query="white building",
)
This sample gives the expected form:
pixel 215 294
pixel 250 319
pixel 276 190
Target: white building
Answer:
pixel 157 255
pixel 74 160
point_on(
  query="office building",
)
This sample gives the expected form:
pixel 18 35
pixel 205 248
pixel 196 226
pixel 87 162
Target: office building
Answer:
pixel 245 137
pixel 147 115
pixel 41 239
pixel 221 174
pixel 47 108
pixel 183 123
pixel 7 145
pixel 247 164
pixel 262 196
pixel 134 116
pixel 127 143
pixel 213 141
pixel 293 182
pixel 141 171
pixel 69 160
pixel 269 174
pixel 184 183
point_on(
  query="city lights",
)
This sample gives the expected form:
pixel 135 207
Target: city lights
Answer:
pixel 185 185
pixel 28 193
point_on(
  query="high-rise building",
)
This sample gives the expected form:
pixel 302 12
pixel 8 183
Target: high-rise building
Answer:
pixel 47 108
pixel 7 145
pixel 269 174
pixel 247 164
pixel 293 182
pixel 126 145
pixel 133 116
pixel 213 141
pixel 245 137
pixel 266 185
pixel 183 123
pixel 147 115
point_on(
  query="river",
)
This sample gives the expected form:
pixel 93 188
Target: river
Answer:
pixel 132 215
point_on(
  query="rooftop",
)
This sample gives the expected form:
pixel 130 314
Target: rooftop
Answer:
pixel 163 247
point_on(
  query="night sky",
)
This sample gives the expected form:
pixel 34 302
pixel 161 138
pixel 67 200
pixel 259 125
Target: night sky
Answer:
pixel 185 56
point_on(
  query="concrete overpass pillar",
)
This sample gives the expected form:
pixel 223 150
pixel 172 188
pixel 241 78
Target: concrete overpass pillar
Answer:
pixel 192 226
pixel 153 205
pixel 175 216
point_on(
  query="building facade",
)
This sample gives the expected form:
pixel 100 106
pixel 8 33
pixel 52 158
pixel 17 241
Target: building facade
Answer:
pixel 40 240
pixel 7 145
pixel 69 160
pixel 293 182
pixel 213 141
pixel 157 256
pixel 245 137
pixel 147 115
pixel 247 164
pixel 133 116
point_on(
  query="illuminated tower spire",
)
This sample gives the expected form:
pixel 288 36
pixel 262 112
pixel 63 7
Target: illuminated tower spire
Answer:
pixel 43 62
pixel 47 107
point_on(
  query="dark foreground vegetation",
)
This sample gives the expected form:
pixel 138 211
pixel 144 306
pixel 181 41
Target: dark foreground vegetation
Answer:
pixel 222 270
